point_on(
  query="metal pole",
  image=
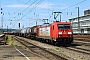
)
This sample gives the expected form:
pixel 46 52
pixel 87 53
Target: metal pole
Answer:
pixel 78 21
pixel 19 25
pixel 36 23
pixel 7 28
pixel 2 22
pixel 60 17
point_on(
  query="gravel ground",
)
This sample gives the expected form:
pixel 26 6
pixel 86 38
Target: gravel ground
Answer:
pixel 70 53
pixel 11 52
pixel 83 46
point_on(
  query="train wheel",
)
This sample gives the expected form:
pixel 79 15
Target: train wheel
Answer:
pixel 51 42
pixel 43 41
pixel 54 43
pixel 48 41
pixel 40 39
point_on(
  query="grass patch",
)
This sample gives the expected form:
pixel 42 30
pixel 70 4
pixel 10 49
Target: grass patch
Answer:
pixel 10 40
pixel 14 45
pixel 24 47
pixel 57 48
pixel 35 43
pixel 62 51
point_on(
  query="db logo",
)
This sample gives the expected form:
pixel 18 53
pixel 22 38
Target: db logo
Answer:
pixel 64 32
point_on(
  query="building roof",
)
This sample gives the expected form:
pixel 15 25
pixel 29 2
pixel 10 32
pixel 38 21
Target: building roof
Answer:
pixel 80 16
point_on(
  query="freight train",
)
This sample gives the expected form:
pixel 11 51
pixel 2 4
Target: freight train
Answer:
pixel 60 32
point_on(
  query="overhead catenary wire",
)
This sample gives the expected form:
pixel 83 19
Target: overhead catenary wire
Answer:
pixel 53 10
pixel 26 8
pixel 32 9
pixel 67 13
pixel 29 6
pixel 23 2
pixel 73 5
pixel 70 7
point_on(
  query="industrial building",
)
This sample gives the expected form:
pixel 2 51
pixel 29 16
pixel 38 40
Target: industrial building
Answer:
pixel 81 24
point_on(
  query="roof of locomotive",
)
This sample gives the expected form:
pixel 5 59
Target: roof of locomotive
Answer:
pixel 61 22
pixel 48 24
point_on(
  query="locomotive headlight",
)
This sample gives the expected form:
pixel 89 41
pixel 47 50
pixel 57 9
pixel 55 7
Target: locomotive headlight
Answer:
pixel 59 32
pixel 69 32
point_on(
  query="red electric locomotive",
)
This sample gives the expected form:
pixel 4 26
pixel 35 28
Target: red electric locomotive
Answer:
pixel 56 32
pixel 52 33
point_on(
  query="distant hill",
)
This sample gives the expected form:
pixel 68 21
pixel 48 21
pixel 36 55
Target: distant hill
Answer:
pixel 9 30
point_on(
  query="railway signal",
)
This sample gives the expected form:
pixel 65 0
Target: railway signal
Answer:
pixel 19 25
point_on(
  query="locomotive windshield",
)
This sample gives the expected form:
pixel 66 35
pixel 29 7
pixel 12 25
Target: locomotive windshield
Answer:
pixel 61 26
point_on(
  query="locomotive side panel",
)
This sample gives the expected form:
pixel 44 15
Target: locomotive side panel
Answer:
pixel 54 31
pixel 45 31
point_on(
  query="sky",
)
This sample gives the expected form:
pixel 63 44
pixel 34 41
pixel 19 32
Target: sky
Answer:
pixel 28 12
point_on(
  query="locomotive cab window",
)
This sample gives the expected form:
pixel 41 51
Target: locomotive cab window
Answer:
pixel 67 26
pixel 61 26
pixel 53 27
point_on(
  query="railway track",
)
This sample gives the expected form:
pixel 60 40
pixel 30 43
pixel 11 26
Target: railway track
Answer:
pixel 42 51
pixel 82 43
pixel 87 50
pixel 81 36
pixel 82 39
pixel 80 50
